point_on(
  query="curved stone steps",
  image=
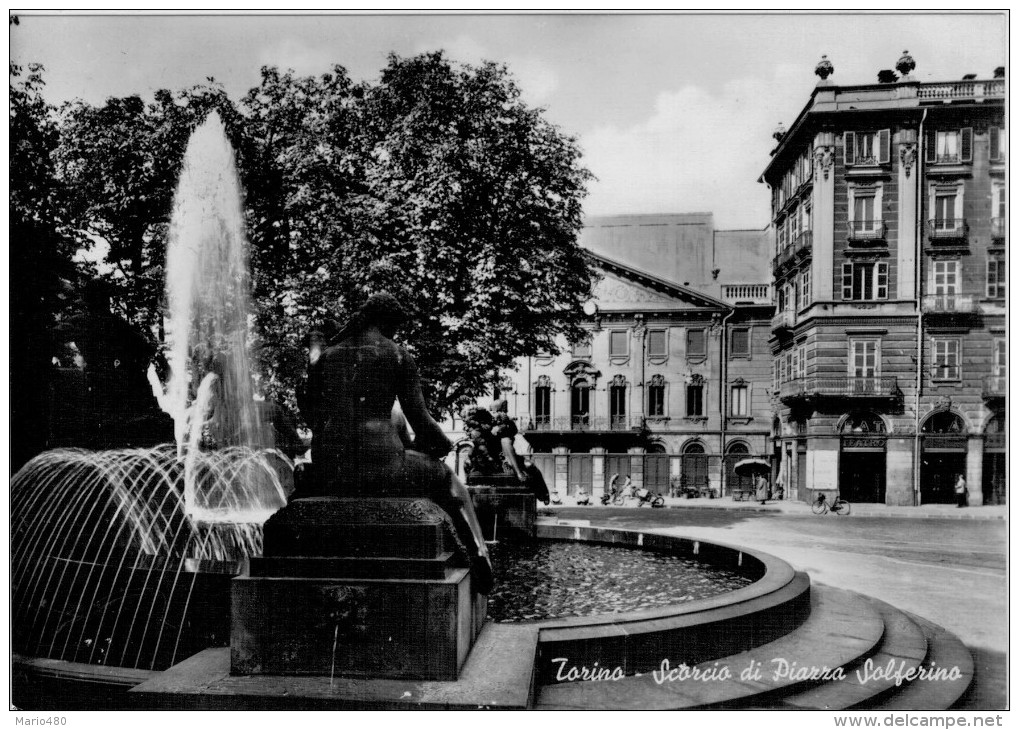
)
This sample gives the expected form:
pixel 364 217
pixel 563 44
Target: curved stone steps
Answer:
pixel 841 628
pixel 945 651
pixel 904 645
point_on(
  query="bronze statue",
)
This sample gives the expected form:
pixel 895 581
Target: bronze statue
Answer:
pixel 490 451
pixel 358 446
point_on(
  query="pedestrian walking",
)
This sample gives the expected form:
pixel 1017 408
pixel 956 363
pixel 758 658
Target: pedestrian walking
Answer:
pixel 961 493
pixel 761 488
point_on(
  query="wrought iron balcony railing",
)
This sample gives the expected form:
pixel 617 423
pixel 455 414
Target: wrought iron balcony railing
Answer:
pixel 867 231
pixel 827 386
pixel 947 229
pixel 799 246
pixel 950 303
pixel 995 386
pixel 581 423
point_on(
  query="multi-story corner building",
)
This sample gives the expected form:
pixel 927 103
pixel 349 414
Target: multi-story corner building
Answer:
pixel 671 385
pixel 889 346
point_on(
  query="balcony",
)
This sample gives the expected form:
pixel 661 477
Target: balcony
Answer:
pixel 960 91
pixel 783 320
pixel 947 231
pixel 747 293
pixel 798 250
pixel 995 387
pixel 867 233
pixel 950 304
pixel 998 229
pixel 564 424
pixel 831 387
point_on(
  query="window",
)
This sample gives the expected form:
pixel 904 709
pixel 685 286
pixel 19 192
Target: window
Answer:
pixel 656 397
pixel 947 361
pixel 696 343
pixel 776 375
pixel 740 342
pixel 998 208
pixel 788 365
pixel 794 364
pixel 998 143
pixel 542 404
pixel 580 402
pixel 866 148
pixel 948 146
pixel 656 343
pixel 806 218
pixel 617 404
pixel 945 205
pixel 1000 364
pixel 582 348
pixel 996 278
pixel 945 278
pixel 804 289
pixel 865 281
pixel 863 358
pixel 619 343
pixel 739 400
pixel 802 371
pixel 780 296
pixel 695 399
pixel 865 219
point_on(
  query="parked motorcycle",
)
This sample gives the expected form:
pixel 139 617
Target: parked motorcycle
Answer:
pixel 646 496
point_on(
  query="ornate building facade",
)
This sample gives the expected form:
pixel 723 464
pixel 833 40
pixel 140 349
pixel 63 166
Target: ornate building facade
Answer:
pixel 888 339
pixel 671 385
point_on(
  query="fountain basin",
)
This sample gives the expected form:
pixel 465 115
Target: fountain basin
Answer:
pixel 775 603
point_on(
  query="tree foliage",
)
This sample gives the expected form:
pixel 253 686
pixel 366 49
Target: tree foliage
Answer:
pixel 437 182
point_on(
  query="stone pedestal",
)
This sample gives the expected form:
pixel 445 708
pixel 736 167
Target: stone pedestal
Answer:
pixel 505 509
pixel 358 588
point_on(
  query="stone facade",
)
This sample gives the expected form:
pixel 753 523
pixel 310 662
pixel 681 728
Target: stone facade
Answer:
pixel 889 336
pixel 674 381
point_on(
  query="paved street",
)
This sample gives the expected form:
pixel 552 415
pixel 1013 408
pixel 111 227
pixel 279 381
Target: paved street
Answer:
pixel 949 571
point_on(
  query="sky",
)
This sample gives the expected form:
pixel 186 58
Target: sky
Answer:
pixel 674 113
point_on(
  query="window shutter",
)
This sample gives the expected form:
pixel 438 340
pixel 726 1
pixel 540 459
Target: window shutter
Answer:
pixel 884 139
pixel 931 153
pixel 992 278
pixel 847 281
pixel 882 280
pixel 849 148
pixel 967 144
pixel 995 142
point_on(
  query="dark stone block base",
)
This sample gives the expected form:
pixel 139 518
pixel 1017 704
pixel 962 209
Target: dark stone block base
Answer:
pixel 397 628
pixel 505 513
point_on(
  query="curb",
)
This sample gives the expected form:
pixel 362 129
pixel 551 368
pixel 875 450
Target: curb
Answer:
pixel 764 510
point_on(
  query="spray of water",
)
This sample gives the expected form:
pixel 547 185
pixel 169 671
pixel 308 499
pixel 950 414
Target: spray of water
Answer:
pixel 210 394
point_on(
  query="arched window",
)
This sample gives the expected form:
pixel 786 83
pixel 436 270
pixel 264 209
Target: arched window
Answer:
pixel 695 468
pixel 734 453
pixel 617 402
pixel 656 397
pixel 863 422
pixel 943 422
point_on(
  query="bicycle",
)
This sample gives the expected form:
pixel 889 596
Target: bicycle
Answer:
pixel 821 505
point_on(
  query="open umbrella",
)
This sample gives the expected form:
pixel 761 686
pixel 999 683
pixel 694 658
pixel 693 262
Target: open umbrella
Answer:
pixel 750 467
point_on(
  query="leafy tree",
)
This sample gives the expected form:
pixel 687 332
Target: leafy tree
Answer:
pixel 437 183
pixel 120 163
pixel 40 258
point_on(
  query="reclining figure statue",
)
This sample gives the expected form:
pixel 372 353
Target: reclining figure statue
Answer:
pixel 359 449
